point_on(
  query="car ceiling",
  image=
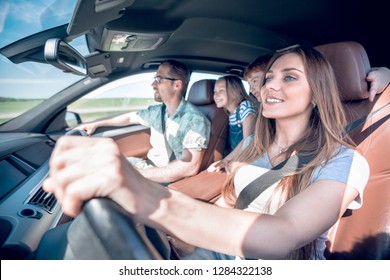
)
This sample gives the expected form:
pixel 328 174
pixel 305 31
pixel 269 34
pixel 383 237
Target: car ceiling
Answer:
pixel 220 36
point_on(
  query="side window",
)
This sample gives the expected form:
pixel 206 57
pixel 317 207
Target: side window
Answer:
pixel 121 96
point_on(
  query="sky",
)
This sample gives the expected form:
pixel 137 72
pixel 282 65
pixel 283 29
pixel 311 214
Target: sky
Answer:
pixel 21 18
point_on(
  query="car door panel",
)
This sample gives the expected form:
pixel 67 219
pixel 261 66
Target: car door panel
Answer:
pixel 132 140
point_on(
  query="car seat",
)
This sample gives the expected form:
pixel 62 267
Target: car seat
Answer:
pixel 201 95
pixel 363 233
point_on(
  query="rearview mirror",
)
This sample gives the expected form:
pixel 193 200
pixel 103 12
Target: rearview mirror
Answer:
pixel 61 55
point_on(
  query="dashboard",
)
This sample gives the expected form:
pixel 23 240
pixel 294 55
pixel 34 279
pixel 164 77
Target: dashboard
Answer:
pixel 26 210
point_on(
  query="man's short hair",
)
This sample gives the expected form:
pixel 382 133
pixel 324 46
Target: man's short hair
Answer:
pixel 180 71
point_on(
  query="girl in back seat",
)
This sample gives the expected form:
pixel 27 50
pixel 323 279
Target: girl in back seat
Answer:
pixel 230 94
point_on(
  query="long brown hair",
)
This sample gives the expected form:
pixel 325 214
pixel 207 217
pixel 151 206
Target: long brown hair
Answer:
pixel 322 140
pixel 235 90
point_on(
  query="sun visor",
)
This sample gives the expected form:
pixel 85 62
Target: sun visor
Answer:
pixel 91 13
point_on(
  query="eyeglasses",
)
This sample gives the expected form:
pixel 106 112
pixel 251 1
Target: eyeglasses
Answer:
pixel 158 79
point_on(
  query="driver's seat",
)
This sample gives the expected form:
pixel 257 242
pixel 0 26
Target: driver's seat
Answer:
pixel 363 233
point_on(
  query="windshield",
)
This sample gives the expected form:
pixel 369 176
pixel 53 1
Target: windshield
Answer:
pixel 25 85
pixel 22 18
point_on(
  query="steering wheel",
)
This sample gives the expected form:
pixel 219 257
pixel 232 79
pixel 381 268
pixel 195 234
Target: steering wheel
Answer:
pixel 104 230
pixel 78 132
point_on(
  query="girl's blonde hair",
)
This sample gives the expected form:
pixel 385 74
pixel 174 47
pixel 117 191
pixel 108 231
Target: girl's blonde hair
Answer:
pixel 322 140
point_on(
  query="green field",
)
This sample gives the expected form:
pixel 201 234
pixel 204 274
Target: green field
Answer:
pixel 89 109
pixel 10 108
pixel 17 105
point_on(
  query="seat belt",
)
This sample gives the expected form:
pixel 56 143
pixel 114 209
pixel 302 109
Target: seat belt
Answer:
pixel 361 120
pixel 172 155
pixel 261 183
pixel 264 181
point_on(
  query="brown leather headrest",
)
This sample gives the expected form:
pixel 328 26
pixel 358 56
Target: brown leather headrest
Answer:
pixel 201 92
pixel 351 65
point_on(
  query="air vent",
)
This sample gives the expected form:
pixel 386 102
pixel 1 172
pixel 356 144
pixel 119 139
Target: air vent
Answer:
pixel 45 200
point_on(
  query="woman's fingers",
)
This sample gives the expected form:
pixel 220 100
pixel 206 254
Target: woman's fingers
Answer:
pixel 82 168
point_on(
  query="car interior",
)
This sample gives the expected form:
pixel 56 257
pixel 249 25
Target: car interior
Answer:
pixel 360 234
pixel 31 220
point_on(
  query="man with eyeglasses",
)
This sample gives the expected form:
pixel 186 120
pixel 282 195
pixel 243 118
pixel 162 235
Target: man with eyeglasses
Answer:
pixel 179 131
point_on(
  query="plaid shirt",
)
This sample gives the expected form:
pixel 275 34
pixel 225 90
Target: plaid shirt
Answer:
pixel 187 128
